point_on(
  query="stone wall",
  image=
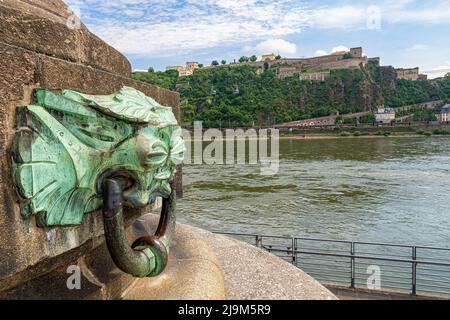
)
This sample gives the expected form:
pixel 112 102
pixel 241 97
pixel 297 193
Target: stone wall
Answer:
pixel 353 63
pixel 407 74
pixel 287 67
pixel 39 50
pixel 284 72
pixel 320 122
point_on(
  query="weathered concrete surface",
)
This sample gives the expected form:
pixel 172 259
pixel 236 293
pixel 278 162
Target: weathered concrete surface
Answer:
pixel 202 266
pixel 208 266
pixel 253 274
pixel 38 50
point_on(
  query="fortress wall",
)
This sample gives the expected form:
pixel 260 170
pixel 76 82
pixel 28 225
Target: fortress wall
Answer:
pixel 343 64
pixel 38 50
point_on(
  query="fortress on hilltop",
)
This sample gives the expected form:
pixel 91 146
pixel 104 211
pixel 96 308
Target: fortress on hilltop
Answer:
pixel 318 68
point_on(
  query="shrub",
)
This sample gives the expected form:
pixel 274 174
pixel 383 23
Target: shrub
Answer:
pixel 420 131
pixel 441 132
pixel 345 134
pixel 357 134
pixel 383 133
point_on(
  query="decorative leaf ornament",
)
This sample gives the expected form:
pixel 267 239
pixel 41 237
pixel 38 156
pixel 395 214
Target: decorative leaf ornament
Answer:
pixel 130 105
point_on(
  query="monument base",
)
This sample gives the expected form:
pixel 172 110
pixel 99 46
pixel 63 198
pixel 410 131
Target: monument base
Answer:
pixel 206 266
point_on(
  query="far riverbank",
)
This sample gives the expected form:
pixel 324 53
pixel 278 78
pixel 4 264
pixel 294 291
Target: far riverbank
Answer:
pixel 338 136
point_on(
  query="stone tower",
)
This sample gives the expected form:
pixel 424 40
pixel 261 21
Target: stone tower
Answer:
pixel 356 52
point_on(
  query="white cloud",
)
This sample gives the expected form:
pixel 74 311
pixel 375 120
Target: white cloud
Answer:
pixel 134 13
pixel 439 71
pixel 339 49
pixel 278 46
pixel 320 53
pixel 338 17
pixel 248 49
pixel 417 47
pixel 438 14
pixel 169 27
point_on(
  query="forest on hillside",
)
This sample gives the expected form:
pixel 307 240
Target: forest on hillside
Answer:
pixel 224 97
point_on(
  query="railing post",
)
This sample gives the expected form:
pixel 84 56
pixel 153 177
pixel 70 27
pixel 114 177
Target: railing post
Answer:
pixel 296 252
pixel 294 260
pixel 259 242
pixel 414 271
pixel 353 266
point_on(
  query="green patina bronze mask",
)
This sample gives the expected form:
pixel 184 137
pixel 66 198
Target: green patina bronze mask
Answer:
pixel 67 144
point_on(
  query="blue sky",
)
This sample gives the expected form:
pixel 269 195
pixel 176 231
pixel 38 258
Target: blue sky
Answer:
pixel 157 33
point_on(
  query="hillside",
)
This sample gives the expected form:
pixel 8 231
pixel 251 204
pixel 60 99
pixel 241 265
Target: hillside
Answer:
pixel 225 97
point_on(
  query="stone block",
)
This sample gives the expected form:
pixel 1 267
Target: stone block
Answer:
pixel 36 28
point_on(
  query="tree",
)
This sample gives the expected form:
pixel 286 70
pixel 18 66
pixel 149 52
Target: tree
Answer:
pixel 265 98
pixel 278 57
pixel 215 63
pixel 243 59
pixel 151 70
pixel 224 62
pixel 253 58
pixel 201 65
pixel 172 73
pixel 348 55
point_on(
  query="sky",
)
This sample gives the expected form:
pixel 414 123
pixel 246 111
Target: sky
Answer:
pixel 159 33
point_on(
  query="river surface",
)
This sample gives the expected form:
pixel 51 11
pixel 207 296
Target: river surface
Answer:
pixel 379 190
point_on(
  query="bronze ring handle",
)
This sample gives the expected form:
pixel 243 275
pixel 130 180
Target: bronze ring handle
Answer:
pixel 148 256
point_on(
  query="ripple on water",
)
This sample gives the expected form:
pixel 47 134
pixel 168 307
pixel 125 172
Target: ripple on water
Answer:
pixel 370 189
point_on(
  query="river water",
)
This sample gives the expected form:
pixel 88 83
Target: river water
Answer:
pixel 379 190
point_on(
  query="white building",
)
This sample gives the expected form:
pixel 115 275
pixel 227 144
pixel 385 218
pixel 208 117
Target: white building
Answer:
pixel 185 73
pixel 444 115
pixel 385 115
pixel 315 76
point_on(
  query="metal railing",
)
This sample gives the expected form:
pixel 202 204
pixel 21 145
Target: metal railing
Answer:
pixel 401 268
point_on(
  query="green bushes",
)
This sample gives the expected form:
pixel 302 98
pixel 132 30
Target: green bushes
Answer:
pixel 357 134
pixel 424 133
pixel 383 133
pixel 441 132
pixel 345 134
pixel 241 97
